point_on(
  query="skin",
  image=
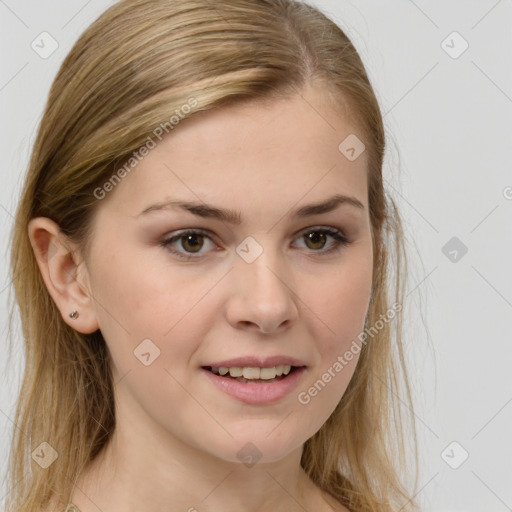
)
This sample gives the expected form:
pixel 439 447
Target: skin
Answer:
pixel 177 435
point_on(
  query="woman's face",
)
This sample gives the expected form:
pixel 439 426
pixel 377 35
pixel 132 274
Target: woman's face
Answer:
pixel 262 278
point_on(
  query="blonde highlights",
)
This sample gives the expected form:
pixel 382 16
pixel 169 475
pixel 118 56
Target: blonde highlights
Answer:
pixel 137 64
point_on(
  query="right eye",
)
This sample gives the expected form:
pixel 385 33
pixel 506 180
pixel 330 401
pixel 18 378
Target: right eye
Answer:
pixel 190 240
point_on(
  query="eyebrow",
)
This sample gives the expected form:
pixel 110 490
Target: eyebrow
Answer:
pixel 234 217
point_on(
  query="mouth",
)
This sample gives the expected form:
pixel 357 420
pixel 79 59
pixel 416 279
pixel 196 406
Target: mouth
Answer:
pixel 254 385
pixel 253 374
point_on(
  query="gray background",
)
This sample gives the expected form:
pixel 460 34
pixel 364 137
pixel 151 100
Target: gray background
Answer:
pixel 448 119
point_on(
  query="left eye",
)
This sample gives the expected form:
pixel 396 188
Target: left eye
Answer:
pixel 192 241
pixel 315 236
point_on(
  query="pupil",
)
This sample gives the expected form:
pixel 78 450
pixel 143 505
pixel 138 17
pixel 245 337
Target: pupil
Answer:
pixel 316 238
pixel 192 238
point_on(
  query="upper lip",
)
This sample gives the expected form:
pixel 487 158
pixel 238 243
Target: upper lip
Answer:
pixel 257 362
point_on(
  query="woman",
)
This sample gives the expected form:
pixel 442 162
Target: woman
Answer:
pixel 200 260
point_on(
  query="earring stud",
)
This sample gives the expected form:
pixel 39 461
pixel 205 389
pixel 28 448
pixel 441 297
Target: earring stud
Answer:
pixel 74 315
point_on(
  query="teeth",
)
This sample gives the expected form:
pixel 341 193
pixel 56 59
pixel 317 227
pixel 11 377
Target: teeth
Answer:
pixel 268 373
pixel 253 373
pixel 235 371
pixel 250 373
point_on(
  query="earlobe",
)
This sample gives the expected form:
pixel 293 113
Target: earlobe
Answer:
pixel 58 262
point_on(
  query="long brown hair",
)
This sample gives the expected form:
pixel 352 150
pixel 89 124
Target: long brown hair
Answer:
pixel 136 65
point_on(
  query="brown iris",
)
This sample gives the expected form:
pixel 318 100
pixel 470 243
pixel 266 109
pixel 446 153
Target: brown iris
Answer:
pixel 192 242
pixel 316 238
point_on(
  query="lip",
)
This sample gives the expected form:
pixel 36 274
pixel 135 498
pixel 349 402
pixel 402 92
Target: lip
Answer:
pixel 257 393
pixel 259 362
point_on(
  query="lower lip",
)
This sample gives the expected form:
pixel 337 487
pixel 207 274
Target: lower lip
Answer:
pixel 258 392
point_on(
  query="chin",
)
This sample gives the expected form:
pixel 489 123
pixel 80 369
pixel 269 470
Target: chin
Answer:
pixel 257 449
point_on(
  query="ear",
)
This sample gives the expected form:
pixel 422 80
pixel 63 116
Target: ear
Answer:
pixel 64 273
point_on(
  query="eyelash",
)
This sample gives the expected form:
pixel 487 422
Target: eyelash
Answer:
pixel 338 235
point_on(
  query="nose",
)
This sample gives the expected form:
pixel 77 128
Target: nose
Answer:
pixel 262 296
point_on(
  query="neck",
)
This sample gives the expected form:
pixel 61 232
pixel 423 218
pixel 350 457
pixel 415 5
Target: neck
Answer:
pixel 143 463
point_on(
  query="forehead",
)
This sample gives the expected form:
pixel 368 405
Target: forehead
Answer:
pixel 258 151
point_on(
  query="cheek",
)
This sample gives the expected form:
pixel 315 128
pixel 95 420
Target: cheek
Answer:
pixel 152 322
pixel 342 309
pixel 140 298
pixel 131 292
pixel 343 304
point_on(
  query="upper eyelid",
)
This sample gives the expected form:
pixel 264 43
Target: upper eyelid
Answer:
pixel 211 235
pixel 206 232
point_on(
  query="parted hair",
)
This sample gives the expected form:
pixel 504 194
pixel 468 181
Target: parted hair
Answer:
pixel 133 67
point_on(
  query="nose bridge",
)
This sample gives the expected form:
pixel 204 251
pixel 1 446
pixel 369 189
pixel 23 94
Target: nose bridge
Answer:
pixel 262 293
pixel 261 266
